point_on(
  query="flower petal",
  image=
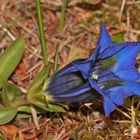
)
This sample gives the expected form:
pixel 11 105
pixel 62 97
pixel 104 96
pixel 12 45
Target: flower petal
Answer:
pixel 76 92
pixel 84 67
pixel 68 68
pixel 65 83
pixel 133 87
pixel 88 96
pixel 82 94
pixel 128 74
pixel 111 50
pixel 103 43
pixel 108 105
pixel 117 94
pixel 127 56
pixel 95 85
pixel 104 40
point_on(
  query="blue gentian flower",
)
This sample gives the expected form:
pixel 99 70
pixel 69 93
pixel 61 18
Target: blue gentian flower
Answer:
pixel 109 72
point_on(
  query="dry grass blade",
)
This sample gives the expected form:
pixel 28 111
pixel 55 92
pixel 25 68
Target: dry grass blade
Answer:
pixel 121 10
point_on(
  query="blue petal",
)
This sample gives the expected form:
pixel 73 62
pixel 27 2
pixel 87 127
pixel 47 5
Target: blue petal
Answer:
pixel 128 74
pixel 126 57
pixel 108 105
pixel 104 40
pixel 65 83
pixel 76 92
pixel 95 85
pixel 117 94
pixel 89 96
pixel 133 87
pixel 83 94
pixel 84 67
pixel 69 68
pixel 106 76
pixel 111 50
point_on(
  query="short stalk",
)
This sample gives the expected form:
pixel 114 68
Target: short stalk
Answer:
pixel 62 18
pixel 41 31
pixel 134 112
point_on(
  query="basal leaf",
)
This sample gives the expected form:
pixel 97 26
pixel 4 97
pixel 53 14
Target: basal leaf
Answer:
pixel 7 114
pixel 23 115
pixel 13 92
pixel 5 99
pixel 10 58
pixel 40 77
pixel 24 111
pixel 12 95
pixel 24 108
pixel 40 100
pixel 56 108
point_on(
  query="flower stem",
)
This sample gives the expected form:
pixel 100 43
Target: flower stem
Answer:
pixel 41 31
pixel 62 18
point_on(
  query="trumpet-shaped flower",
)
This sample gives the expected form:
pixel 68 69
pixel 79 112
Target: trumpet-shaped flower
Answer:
pixel 110 72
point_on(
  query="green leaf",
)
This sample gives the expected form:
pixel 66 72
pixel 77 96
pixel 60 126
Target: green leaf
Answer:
pixel 62 18
pixel 56 58
pixel 10 58
pixel 24 111
pixel 11 94
pixel 42 105
pixel 7 114
pixel 55 108
pixel 24 108
pixel 39 79
pixel 5 99
pixel 40 100
pixel 49 107
pixel 41 31
pixel 23 115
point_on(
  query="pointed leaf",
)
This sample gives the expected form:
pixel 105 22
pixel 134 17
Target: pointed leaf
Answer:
pixel 10 58
pixel 22 115
pixel 7 114
pixel 41 100
pixel 24 108
pixel 11 94
pixel 24 111
pixel 56 108
pixel 40 77
pixel 5 99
